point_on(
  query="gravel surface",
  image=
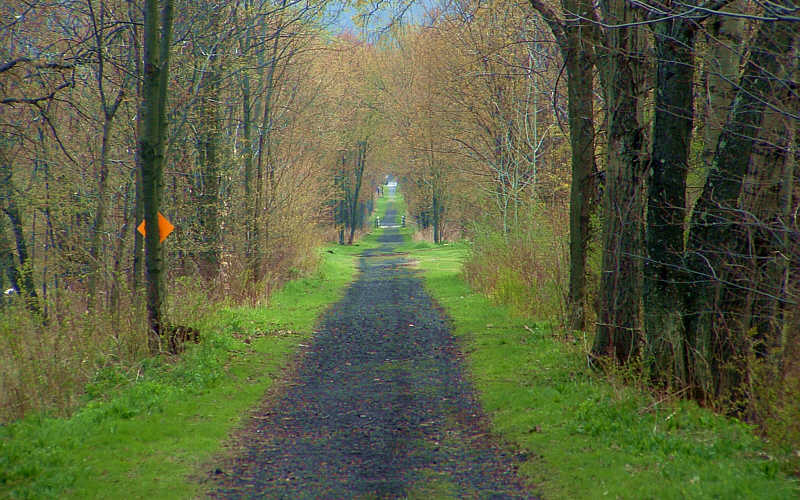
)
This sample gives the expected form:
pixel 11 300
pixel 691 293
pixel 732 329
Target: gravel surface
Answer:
pixel 378 407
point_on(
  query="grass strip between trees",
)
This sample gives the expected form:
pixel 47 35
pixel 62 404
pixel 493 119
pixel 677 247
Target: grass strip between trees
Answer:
pixel 587 436
pixel 149 434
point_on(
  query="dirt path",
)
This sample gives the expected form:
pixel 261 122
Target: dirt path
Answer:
pixel 378 407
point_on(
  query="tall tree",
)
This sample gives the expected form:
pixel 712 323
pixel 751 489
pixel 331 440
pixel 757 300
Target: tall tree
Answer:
pixel 619 332
pixel 718 230
pixel 576 37
pixel 666 199
pixel 157 36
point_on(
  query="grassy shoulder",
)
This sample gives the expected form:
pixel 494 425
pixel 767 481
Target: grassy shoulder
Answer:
pixel 147 433
pixel 591 437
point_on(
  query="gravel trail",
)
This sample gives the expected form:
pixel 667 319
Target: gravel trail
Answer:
pixel 378 408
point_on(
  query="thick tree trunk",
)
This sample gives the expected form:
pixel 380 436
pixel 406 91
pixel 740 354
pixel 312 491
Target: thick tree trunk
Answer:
pixel 619 326
pixel 580 88
pixel 765 196
pixel 575 38
pixel 722 70
pixel 718 237
pixel 666 349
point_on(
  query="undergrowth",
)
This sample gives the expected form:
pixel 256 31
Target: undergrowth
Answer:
pixel 525 268
pixel 144 430
pixel 47 359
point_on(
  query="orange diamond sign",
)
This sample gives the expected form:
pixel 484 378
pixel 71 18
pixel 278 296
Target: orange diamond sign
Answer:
pixel 164 228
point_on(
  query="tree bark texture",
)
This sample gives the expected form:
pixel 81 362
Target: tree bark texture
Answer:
pixel 722 72
pixel 666 349
pixel 578 59
pixel 619 326
pixel 157 37
pixel 718 237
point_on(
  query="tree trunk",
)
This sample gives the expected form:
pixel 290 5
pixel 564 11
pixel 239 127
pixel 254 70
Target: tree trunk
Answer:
pixel 576 40
pixel 790 208
pixel 578 61
pixel 138 240
pixel 718 238
pixel 7 265
pixel 619 329
pixel 264 203
pixel 138 208
pixel 157 36
pixel 669 163
pixel 119 251
pixel 722 69
pixel 437 234
pixel 361 160
pixel 109 111
pixel 766 197
pixel 25 274
pixel 253 263
pixel 99 218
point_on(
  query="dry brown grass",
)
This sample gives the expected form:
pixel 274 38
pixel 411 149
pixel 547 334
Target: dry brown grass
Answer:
pixel 45 366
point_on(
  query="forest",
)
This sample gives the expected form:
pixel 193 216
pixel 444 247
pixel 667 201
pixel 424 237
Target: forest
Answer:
pixel 625 170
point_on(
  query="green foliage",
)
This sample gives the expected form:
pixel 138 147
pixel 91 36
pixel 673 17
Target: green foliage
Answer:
pixel 524 269
pixel 592 436
pixel 145 431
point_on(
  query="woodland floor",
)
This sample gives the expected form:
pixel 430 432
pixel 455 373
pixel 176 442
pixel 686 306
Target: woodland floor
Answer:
pixel 379 406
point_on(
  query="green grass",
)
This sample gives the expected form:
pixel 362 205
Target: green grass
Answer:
pixel 591 437
pixel 151 433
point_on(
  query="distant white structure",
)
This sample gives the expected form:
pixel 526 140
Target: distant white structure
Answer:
pixel 391 187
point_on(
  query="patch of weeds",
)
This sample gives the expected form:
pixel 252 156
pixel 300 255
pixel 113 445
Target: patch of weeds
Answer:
pixel 108 380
